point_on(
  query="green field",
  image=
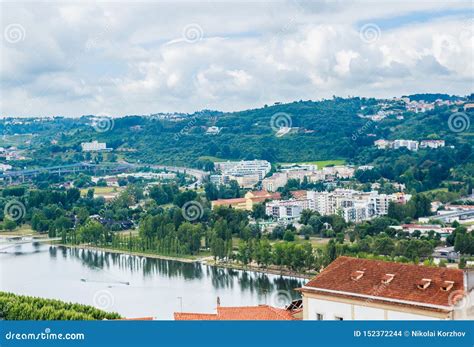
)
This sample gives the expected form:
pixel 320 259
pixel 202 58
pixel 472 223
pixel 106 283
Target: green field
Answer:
pixel 102 190
pixel 213 159
pixel 321 163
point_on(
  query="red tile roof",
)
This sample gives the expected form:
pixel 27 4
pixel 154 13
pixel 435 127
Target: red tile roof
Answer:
pixel 229 201
pixel 261 312
pixel 337 277
pixel 300 194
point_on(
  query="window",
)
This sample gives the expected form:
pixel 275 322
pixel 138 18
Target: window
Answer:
pixel 319 316
pixel 338 318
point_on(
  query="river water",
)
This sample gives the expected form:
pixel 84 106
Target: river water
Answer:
pixel 135 286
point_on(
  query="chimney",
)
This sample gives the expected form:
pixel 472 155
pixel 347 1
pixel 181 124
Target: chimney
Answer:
pixel 218 301
pixel 468 279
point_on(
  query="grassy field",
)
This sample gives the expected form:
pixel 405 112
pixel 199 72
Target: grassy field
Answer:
pixel 214 159
pixel 101 190
pixel 23 230
pixel 321 163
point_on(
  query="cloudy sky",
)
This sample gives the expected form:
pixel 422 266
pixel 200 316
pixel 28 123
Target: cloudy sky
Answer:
pixel 121 58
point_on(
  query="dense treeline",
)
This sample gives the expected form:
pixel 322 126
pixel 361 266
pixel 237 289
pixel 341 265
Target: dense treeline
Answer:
pixel 21 307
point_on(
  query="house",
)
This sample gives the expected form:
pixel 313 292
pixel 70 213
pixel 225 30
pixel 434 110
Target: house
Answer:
pixel 213 130
pixel 445 253
pixel 260 312
pixel 247 202
pixel 5 167
pixel 364 289
pixel 93 146
pixel 432 144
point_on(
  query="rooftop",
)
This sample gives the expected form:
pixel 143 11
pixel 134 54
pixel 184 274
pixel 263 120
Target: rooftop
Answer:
pixel 260 312
pixel 365 278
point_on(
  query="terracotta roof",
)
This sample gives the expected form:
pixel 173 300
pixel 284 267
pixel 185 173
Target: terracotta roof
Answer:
pixel 300 194
pixel 229 201
pixel 261 312
pixel 260 193
pixel 338 276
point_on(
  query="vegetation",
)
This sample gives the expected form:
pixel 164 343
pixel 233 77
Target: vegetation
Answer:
pixel 21 307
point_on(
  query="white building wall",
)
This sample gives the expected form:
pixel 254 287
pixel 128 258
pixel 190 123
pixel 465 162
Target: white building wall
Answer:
pixel 332 309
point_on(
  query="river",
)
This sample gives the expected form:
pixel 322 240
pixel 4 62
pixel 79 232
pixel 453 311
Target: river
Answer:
pixel 135 286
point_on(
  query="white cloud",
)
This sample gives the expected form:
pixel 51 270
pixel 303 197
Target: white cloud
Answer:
pixel 133 58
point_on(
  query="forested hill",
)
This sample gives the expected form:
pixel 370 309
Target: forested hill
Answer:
pixel 322 130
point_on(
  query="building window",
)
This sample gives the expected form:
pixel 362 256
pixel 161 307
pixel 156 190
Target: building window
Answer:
pixel 319 316
pixel 338 318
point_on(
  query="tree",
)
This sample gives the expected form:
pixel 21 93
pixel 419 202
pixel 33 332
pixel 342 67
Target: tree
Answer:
pixel 258 211
pixel 289 236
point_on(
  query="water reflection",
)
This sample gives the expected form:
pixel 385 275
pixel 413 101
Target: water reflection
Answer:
pixel 220 278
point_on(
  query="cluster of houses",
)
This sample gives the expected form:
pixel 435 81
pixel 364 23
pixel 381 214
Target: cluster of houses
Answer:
pixel 411 145
pixel 352 205
pixel 364 289
pixel 249 173
pixel 11 153
pixel 309 172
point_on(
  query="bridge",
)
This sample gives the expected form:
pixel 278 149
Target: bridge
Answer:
pixel 19 240
pixel 65 169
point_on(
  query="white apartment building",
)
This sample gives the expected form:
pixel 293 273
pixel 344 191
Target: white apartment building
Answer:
pixel 408 144
pixel 93 146
pixel 244 167
pixel 353 205
pixel 363 289
pixel 277 180
pixel 285 210
pixel 432 144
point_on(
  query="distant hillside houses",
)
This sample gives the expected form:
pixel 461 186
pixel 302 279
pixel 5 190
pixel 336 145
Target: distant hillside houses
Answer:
pixel 408 144
pixel 94 146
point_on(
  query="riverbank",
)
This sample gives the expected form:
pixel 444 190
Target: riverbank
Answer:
pixel 207 260
pixel 139 254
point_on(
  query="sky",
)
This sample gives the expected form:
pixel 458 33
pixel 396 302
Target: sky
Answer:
pixel 123 58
